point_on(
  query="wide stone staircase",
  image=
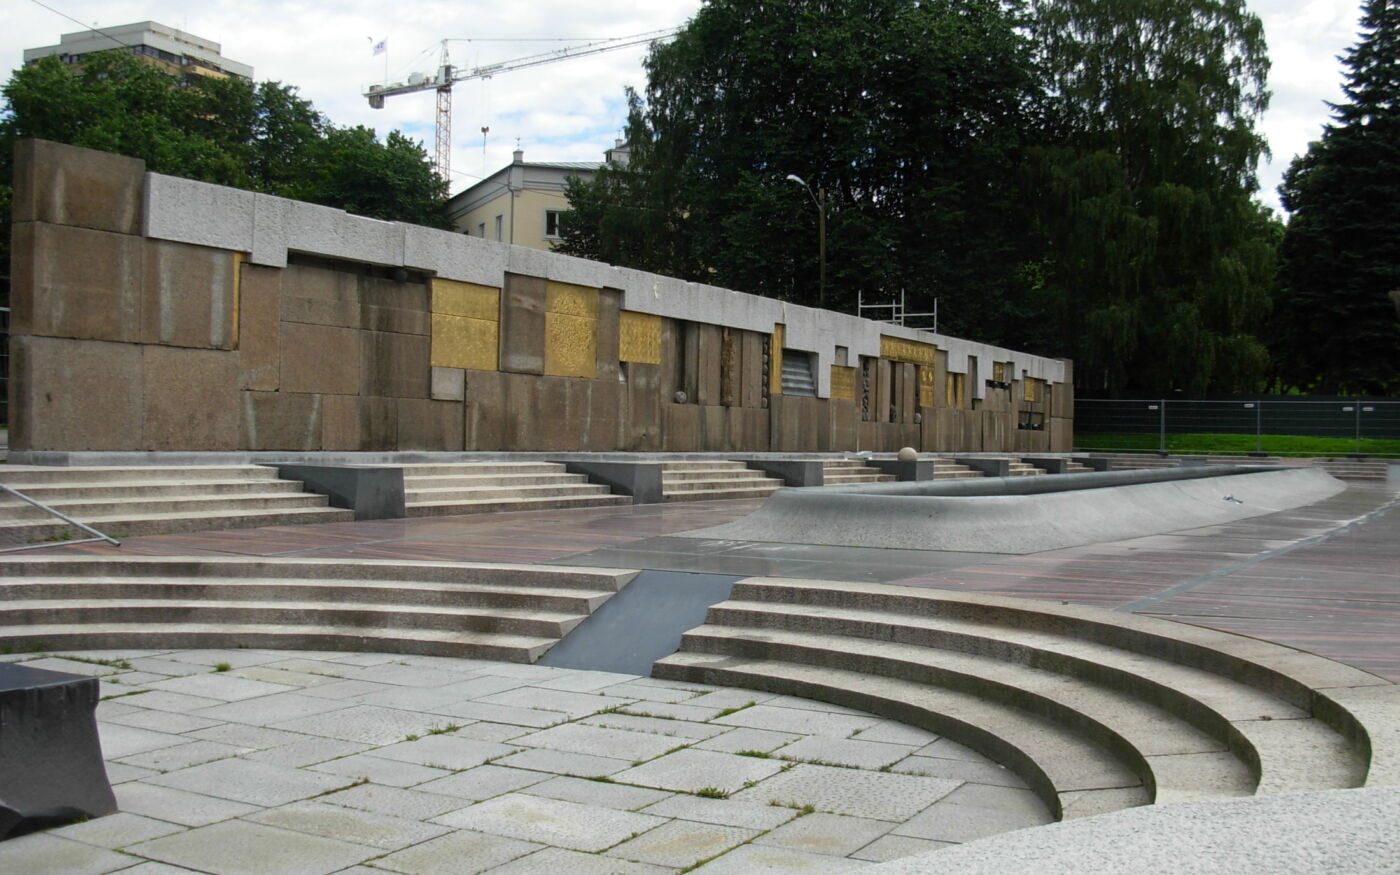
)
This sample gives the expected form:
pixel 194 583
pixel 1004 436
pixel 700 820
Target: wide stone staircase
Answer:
pixel 483 611
pixel 493 487
pixel 148 500
pixel 947 469
pixel 1094 709
pixel 1376 470
pixel 714 479
pixel 1019 468
pixel 842 471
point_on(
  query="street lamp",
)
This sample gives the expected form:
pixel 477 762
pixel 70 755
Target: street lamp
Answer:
pixel 819 198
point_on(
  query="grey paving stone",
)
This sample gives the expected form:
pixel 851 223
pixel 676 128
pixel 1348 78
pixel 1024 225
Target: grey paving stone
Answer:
pixel 251 782
pixel 564 763
pixel 380 770
pixel 72 666
pixel 647 692
pixel 458 853
pixel 482 782
pixel 484 730
pixel 285 677
pixel 694 687
pixel 573 704
pixel 1002 798
pixel 343 690
pixel 960 770
pixel 833 834
pixel 596 740
pixel 554 861
pixel 692 770
pixel 307 752
pixel 411 698
pixel 165 666
pixel 40 852
pixel 445 752
pixel 120 773
pixel 219 685
pixel 119 742
pixel 181 756
pixel 484 685
pixel 681 843
pixel 268 710
pixel 588 792
pixel 582 681
pixel 161 721
pixel 674 710
pixel 893 847
pixel 736 740
pixel 814 705
pixel 252 737
pixel 176 806
pixel 393 801
pixel 946 748
pixel 528 673
pixel 949 821
pixel 551 821
pixel 403 675
pixel 477 710
pixel 844 752
pixel 726 812
pixel 362 658
pixel 237 847
pixel 858 793
pixel 363 723
pixel 764 858
pixel 687 729
pixel 238 658
pixel 892 732
pixel 113 831
pixel 798 721
pixel 730 698
pixel 152 868
pixel 349 825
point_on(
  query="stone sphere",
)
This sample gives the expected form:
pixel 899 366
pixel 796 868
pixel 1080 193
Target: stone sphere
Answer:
pixel 908 454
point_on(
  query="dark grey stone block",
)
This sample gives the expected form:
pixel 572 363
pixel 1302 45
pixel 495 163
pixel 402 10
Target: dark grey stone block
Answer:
pixel 1050 464
pixel 795 472
pixel 990 467
pixel 918 469
pixel 641 480
pixel 373 493
pixel 51 768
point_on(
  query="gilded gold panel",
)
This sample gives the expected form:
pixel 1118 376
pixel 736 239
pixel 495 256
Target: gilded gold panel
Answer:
pixel 926 386
pixel 463 342
pixel 639 338
pixel 843 383
pixel 571 300
pixel 775 360
pixel 570 345
pixel 898 349
pixel 466 299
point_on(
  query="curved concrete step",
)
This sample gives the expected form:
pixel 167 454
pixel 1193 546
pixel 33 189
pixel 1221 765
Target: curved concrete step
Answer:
pixel 1058 764
pixel 18 476
pixel 49 493
pixel 90 509
pixel 172 523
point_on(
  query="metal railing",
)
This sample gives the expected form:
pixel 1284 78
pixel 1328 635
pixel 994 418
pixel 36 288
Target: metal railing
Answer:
pixel 1356 419
pixel 98 536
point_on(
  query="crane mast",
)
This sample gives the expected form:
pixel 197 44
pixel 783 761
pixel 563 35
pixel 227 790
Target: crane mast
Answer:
pixel 447 76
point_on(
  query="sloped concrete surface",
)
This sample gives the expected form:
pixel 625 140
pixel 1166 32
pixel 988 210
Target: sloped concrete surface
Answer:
pixel 1325 832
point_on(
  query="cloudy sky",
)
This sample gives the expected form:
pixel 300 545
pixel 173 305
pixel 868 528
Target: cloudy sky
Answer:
pixel 568 111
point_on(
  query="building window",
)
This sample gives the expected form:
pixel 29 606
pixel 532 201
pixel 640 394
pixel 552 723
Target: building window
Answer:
pixel 553 220
pixel 481 230
pixel 500 223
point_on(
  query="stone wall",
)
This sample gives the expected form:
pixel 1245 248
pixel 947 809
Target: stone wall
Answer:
pixel 156 313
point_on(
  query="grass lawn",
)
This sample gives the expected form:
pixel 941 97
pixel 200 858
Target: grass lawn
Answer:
pixel 1224 444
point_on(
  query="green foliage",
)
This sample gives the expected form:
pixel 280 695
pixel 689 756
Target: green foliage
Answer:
pixel 1227 444
pixel 908 116
pixel 1338 325
pixel 1159 265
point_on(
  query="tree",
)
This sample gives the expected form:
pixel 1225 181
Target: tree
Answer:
pixel 1341 251
pixel 907 115
pixel 1159 265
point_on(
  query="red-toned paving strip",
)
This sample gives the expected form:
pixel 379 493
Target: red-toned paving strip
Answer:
pixel 1338 596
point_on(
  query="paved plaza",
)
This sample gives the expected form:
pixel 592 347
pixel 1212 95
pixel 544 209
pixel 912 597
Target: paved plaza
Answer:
pixel 248 761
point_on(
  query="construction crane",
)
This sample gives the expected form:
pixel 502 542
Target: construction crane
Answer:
pixel 447 76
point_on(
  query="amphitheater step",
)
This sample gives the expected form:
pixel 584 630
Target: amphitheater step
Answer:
pixel 486 611
pixel 1355 469
pixel 713 480
pixel 852 471
pixel 947 469
pixel 1191 712
pixel 27 531
pixel 496 487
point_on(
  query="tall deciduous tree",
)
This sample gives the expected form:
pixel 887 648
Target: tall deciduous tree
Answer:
pixel 906 117
pixel 1341 252
pixel 1159 263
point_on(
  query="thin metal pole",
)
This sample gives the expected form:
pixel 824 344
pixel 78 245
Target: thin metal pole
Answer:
pixel 67 519
pixel 1258 426
pixel 1358 423
pixel 821 247
pixel 1162 426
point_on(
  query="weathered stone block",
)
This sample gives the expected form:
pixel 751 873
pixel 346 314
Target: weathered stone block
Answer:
pixel 681 428
pixel 394 365
pixel 845 416
pixel 570 345
pixel 85 188
pixel 752 373
pixel 523 324
pixel 74 394
pixel 522 412
pixel 605 423
pixel 281 421
pixel 188 297
pixel 259 328
pixel 484 414
pixel 714 429
pixel 748 430
pixel 270 230
pixel 386 305
pixel 320 359
pixel 429 425
pixel 340 422
pixel 199 213
pixel 608 328
pixel 74 282
pixel 448 384
pixel 192 399
pixel 643 408
pixel 559 417
pixel 379 424
pixel 708 365
pixel 337 234
pixel 1061 435
pixel 320 296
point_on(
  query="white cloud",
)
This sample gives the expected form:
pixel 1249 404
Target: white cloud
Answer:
pixel 573 109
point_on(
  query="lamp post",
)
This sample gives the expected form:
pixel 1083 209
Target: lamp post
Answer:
pixel 819 198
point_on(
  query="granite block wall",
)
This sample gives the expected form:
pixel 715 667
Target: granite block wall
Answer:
pixel 155 313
